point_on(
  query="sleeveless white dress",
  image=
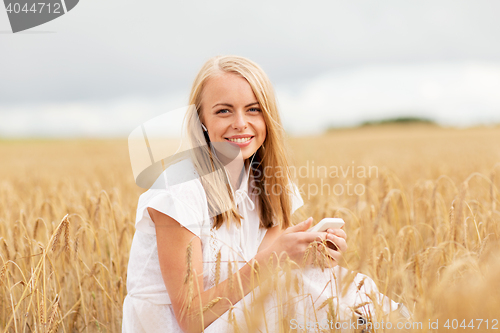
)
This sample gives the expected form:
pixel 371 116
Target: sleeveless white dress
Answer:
pixel 147 306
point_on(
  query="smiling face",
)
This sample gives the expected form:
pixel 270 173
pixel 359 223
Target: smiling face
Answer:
pixel 231 113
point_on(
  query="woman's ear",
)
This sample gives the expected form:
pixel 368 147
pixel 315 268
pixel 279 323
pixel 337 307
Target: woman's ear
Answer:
pixel 205 133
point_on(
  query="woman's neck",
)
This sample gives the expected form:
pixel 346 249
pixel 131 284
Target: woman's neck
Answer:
pixel 235 170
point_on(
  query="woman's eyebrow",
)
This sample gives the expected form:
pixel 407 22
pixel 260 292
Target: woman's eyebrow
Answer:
pixel 230 105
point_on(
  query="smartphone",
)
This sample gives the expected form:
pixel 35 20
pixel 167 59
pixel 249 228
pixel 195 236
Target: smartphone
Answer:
pixel 328 223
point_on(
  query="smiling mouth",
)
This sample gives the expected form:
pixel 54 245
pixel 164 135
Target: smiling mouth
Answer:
pixel 240 140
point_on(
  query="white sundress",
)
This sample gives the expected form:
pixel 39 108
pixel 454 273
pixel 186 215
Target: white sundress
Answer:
pixel 147 306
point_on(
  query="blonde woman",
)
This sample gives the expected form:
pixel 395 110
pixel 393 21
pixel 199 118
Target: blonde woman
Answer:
pixel 201 242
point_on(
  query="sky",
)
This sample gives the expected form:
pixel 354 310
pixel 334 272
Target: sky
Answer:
pixel 105 67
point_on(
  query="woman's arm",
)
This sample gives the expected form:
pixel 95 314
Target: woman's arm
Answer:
pixel 173 242
pixel 271 235
pixel 186 293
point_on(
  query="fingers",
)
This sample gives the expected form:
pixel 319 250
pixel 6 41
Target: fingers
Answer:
pixel 338 232
pixel 321 236
pixel 306 224
pixel 325 257
pixel 339 241
pixel 302 226
pixel 331 245
pixel 335 255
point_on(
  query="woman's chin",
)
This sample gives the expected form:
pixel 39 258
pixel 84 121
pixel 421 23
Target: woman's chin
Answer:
pixel 247 152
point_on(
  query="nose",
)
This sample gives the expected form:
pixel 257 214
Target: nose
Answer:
pixel 240 122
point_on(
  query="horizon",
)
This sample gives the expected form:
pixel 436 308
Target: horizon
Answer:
pixel 344 64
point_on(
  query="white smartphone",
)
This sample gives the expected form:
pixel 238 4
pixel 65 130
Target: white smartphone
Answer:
pixel 328 223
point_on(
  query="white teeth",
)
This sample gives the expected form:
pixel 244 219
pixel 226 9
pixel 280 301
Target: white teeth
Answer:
pixel 239 140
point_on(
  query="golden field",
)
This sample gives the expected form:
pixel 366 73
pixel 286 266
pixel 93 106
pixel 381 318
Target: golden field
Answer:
pixel 424 224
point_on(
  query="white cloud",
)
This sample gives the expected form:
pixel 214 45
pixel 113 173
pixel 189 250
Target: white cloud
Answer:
pixel 458 94
pixel 104 50
pixel 115 118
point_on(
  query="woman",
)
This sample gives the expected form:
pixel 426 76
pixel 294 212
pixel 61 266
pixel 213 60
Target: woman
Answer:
pixel 200 244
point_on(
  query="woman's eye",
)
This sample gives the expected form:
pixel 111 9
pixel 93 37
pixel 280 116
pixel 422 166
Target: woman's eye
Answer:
pixel 223 111
pixel 254 109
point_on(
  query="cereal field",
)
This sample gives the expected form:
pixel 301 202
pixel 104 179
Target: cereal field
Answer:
pixel 421 205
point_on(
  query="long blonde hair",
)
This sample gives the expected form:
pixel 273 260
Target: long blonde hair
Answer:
pixel 275 205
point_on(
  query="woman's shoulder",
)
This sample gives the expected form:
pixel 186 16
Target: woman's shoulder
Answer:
pixel 178 182
pixel 175 174
pixel 177 192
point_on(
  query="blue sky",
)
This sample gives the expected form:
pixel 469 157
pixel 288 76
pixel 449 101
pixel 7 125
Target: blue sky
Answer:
pixel 106 67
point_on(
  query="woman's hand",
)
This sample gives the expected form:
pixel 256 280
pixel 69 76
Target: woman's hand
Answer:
pixel 339 237
pixel 295 241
